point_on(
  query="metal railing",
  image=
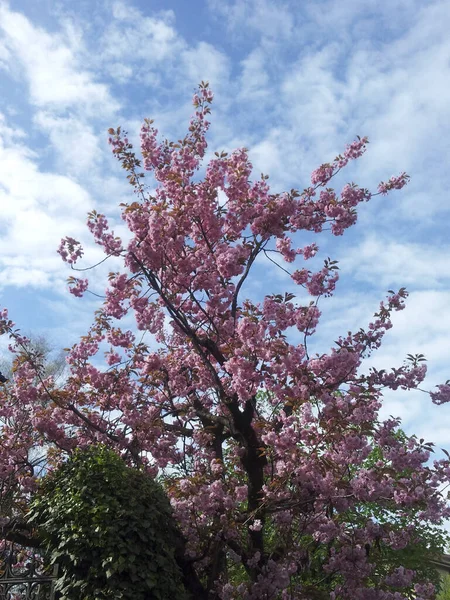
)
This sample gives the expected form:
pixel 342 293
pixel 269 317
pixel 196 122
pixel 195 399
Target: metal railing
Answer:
pixel 24 575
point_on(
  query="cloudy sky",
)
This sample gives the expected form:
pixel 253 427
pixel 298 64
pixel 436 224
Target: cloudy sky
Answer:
pixel 294 81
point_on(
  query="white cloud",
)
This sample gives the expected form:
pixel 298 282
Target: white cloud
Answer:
pixel 22 277
pixel 4 56
pixel 254 81
pixel 422 327
pixel 267 155
pixel 55 77
pixel 38 208
pixel 272 19
pixel 76 144
pixel 204 62
pixel 350 19
pixel 407 95
pixel 132 45
pixel 148 49
pixel 313 94
pixel 345 74
pixel 388 262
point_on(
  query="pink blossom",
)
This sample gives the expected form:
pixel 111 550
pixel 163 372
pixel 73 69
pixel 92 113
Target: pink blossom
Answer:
pixel 394 183
pixel 284 246
pixel 77 287
pixel 442 395
pixel 256 525
pixel 70 250
pixel 309 251
pixel 300 276
pixel 322 174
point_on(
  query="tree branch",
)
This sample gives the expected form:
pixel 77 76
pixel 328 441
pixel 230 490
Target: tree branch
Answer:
pixel 241 281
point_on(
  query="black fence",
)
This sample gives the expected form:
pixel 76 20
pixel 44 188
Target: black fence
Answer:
pixel 24 574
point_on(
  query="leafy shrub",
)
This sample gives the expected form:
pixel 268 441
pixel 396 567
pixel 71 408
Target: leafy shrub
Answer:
pixel 109 528
pixel 444 592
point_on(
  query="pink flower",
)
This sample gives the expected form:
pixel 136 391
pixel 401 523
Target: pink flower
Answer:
pixel 113 358
pixel 394 183
pixel 284 247
pixel 70 250
pixel 442 396
pixel 256 525
pixel 300 276
pixel 77 287
pixel 322 174
pixel 309 251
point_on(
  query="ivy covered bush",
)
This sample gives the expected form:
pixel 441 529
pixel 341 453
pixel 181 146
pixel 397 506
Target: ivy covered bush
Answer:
pixel 110 530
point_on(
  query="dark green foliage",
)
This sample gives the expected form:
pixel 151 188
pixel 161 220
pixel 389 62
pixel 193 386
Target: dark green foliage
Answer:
pixel 444 593
pixel 110 529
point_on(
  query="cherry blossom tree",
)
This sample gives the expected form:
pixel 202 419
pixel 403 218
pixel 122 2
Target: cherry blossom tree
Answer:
pixel 283 480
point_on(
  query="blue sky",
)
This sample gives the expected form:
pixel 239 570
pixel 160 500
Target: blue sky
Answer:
pixel 294 82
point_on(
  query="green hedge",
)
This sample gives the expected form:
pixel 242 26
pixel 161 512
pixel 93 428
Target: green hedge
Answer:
pixel 109 528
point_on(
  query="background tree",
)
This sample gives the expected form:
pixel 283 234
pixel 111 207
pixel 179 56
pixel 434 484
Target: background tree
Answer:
pixel 45 353
pixel 263 497
pixel 18 437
